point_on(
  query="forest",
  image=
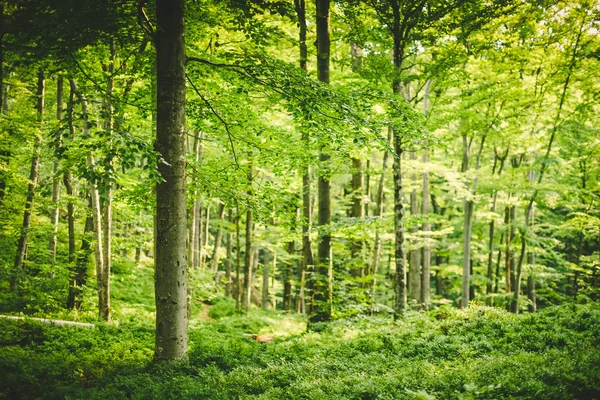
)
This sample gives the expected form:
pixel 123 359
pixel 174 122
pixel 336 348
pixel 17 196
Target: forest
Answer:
pixel 281 199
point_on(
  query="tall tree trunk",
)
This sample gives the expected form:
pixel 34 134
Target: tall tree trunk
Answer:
pixel 265 281
pixel 96 213
pixel 379 213
pixel 55 177
pixel 171 265
pixel 288 273
pixel 507 256
pixel 4 153
pixel 468 224
pixel 238 262
pixel 196 225
pixel 33 181
pixel 414 267
pixel 107 189
pixel 400 278
pixel 214 261
pixel 68 182
pixel 205 235
pixel 79 274
pixel 321 305
pixel 307 253
pixel 426 272
pixel 249 251
pixel 229 260
pixel 358 212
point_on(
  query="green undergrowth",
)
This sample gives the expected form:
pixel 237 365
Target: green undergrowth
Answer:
pixel 482 353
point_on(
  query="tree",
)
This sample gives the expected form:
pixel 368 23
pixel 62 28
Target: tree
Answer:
pixel 170 222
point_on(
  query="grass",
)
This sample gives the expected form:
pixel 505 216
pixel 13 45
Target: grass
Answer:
pixel 482 353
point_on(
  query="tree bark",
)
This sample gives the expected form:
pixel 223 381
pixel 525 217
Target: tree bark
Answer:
pixel 79 274
pixel 398 31
pixel 358 212
pixel 31 187
pixel 107 190
pixel 96 212
pixel 249 259
pixel 238 262
pixel 379 213
pixel 265 281
pixel 214 261
pixel 55 177
pixel 414 267
pixel 228 261
pixel 321 306
pixel 170 231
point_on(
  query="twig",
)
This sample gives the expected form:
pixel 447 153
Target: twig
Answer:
pixel 216 114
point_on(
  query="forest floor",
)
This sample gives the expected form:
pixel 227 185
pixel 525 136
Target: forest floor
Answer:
pixel 482 353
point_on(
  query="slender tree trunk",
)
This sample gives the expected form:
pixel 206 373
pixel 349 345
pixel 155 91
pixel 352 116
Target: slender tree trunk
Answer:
pixel 507 256
pixel 265 281
pixel 400 256
pixel 55 177
pixel 358 212
pixel 4 153
pixel 107 189
pixel 228 261
pixel 379 213
pixel 68 182
pixel 19 264
pixel 214 261
pixel 96 213
pixel 288 273
pixel 170 231
pixel 238 262
pixel 321 305
pixel 246 299
pixel 79 274
pixel 196 224
pixel 307 253
pixel 426 273
pixel 204 244
pixel 414 270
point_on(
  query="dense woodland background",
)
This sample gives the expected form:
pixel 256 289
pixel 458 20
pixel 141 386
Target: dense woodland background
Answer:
pixel 429 156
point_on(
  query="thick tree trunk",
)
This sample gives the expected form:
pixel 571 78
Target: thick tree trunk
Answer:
pixel 214 261
pixel 55 177
pixel 170 231
pixel 321 304
pixel 33 181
